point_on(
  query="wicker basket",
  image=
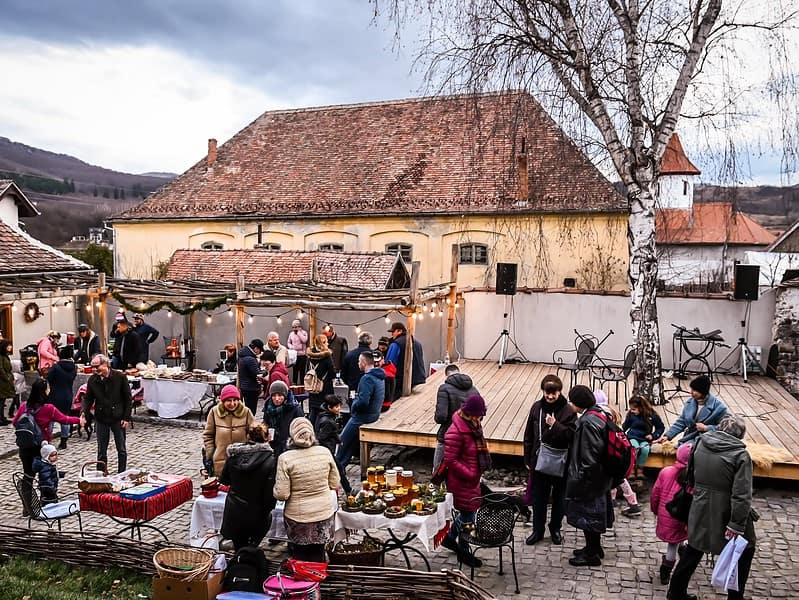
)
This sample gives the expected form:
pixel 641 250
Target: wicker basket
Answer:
pixel 185 564
pixel 93 484
pixel 363 554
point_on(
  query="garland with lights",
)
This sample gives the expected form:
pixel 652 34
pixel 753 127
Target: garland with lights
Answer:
pixel 165 304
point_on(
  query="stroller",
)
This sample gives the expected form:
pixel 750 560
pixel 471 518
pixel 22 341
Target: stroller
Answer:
pixel 77 407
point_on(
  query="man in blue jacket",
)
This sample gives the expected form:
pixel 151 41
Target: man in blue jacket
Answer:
pixel 702 412
pixel 146 332
pixel 248 373
pixel 365 408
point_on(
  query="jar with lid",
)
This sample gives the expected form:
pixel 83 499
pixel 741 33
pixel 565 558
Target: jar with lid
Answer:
pixel 406 480
pixel 380 475
pixel 391 478
pixel 390 499
pixel 413 492
pixel 402 496
pixel 371 475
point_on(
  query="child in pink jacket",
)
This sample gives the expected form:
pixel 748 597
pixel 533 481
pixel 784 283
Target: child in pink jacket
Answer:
pixel 669 529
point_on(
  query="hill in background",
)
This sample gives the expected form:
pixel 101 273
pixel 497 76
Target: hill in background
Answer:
pixel 774 207
pixel 72 195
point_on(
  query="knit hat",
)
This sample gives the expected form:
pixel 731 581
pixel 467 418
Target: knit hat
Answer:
pixel 701 384
pixel 301 432
pixel 684 453
pixel 120 316
pixel 296 323
pixel 138 316
pixel 229 391
pixel 47 450
pixel 582 397
pixel 474 406
pixel 278 387
pixel 601 397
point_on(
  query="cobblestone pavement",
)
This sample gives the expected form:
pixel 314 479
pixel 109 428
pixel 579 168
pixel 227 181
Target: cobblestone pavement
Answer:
pixel 629 570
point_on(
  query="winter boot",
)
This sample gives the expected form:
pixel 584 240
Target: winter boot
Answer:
pixel 665 570
pixel 63 444
pixel 3 420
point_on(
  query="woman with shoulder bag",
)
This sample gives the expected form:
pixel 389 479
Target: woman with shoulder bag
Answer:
pixel 320 361
pixel 547 437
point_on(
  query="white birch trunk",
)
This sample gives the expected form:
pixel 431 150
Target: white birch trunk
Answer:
pixel 643 290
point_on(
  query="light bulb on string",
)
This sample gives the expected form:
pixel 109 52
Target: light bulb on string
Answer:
pixel 169 314
pixel 300 314
pixel 230 312
pixel 88 308
pixel 357 330
pixel 448 302
pixel 413 316
pixel 250 319
pixel 421 316
pixel 55 308
pixel 208 319
pixel 434 304
pixel 457 305
pixel 279 320
pixel 388 320
pixel 424 307
pixel 14 307
pixel 440 313
pixel 432 314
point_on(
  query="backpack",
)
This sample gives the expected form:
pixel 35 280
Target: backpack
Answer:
pixel 28 433
pixel 619 458
pixel 313 384
pixel 246 571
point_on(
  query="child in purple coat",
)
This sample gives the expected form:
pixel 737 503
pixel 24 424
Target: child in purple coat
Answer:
pixel 669 529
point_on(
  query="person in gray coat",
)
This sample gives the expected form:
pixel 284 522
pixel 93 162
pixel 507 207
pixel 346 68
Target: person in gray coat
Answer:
pixel 721 471
pixel 449 399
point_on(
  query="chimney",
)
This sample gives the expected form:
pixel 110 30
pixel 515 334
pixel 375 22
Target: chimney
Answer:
pixel 521 171
pixel 211 158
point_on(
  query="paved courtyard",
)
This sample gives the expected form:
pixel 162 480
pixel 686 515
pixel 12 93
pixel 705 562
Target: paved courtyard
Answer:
pixel 629 570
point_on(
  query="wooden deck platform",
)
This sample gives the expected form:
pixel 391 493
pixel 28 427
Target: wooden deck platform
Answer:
pixel 772 414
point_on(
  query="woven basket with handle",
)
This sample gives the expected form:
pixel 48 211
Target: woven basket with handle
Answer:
pixel 185 564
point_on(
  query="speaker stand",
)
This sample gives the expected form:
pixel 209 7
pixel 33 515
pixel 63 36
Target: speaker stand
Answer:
pixel 503 338
pixel 742 348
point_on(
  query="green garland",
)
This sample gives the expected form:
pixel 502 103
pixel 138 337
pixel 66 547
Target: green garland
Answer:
pixel 164 304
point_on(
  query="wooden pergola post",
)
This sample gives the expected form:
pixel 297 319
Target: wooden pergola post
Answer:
pixel 452 296
pixel 407 368
pixel 238 310
pixel 102 293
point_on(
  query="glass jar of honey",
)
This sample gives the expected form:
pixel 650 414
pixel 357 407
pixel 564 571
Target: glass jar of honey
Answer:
pixel 391 478
pixel 406 480
pixel 413 492
pixel 380 475
pixel 371 475
pixel 402 496
pixel 390 499
pixel 366 486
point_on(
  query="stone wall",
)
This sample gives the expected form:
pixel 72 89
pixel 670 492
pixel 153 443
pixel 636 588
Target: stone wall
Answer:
pixel 786 336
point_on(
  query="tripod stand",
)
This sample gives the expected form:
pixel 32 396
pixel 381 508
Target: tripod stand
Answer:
pixel 742 348
pixel 503 339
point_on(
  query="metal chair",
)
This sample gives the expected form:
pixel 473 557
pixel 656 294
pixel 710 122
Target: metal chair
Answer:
pixel 50 514
pixel 493 528
pixel 614 372
pixel 584 353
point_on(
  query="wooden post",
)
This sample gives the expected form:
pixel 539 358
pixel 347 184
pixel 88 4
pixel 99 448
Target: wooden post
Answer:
pixel 102 294
pixel 238 310
pixel 192 334
pixel 453 296
pixel 311 325
pixel 407 368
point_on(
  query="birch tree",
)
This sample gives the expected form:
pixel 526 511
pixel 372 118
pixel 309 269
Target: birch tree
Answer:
pixel 625 67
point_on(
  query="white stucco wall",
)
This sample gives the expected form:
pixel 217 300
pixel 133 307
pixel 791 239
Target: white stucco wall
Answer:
pixel 671 191
pixel 544 322
pixel 680 265
pixel 9 212
pixel 63 320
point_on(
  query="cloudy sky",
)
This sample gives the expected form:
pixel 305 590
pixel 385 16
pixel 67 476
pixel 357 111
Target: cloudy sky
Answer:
pixel 141 85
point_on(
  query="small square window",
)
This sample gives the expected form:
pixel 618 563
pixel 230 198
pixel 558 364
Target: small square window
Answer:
pixel 404 250
pixel 473 254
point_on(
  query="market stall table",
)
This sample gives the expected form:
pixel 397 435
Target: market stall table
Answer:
pixel 428 529
pixel 171 398
pixel 206 520
pixel 137 514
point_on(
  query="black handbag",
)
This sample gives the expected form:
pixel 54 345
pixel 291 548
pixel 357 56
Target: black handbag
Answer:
pixel 551 461
pixel 679 507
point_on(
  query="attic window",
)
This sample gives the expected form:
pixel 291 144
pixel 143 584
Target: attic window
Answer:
pixel 404 250
pixel 331 247
pixel 212 246
pixel 473 254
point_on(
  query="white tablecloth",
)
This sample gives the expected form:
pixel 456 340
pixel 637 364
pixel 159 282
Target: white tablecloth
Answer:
pixel 425 528
pixel 206 519
pixel 171 399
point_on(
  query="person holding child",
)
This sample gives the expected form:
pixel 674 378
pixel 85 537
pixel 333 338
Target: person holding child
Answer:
pixel 642 425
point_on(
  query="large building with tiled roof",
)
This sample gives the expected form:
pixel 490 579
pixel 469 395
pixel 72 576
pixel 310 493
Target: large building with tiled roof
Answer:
pixel 699 243
pixel 493 174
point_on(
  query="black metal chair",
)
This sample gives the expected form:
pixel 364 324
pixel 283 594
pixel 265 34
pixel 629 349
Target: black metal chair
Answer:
pixel 609 371
pixel 50 514
pixel 493 528
pixel 576 360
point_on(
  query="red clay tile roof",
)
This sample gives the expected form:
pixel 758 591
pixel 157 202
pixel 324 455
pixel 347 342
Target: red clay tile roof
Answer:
pixel 24 254
pixel 428 155
pixel 710 223
pixel 674 161
pixel 367 271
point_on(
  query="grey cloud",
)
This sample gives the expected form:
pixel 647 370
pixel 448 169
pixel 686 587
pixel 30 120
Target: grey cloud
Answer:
pixel 285 46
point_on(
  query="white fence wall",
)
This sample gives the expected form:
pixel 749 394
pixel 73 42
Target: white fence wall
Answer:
pixel 544 322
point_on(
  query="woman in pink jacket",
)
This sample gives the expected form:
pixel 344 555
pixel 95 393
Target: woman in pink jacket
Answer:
pixel 298 341
pixel 48 355
pixel 466 458
pixel 669 529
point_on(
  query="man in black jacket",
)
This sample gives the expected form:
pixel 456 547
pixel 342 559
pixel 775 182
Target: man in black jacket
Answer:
pixel 449 399
pixel 108 391
pixel 129 349
pixel 87 344
pixel 248 373
pixel 350 371
pixel 588 504
pixel 145 331
pixel 396 355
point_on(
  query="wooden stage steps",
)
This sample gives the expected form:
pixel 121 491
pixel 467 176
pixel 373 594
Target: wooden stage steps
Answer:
pixel 772 414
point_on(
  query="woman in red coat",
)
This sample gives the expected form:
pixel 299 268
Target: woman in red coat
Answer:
pixel 466 458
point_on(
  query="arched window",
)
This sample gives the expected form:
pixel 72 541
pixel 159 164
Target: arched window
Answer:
pixel 404 250
pixel 474 254
pixel 332 247
pixel 212 246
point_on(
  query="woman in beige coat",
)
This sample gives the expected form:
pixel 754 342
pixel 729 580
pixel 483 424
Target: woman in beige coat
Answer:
pixel 305 475
pixel 227 424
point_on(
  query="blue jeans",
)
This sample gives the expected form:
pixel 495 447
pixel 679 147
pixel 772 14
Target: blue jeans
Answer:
pixel 641 451
pixel 350 438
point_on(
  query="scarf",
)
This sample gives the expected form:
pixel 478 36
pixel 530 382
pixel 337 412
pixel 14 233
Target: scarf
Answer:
pixel 275 415
pixel 483 456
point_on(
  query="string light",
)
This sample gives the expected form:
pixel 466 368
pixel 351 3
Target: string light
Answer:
pixel 88 308
pixel 14 307
pixel 230 312
pixel 440 313
pixel 448 302
pixel 300 314
pixel 388 321
pixel 279 320
pixel 249 319
pixel 413 316
pixel 68 302
pixel 142 305
pixel 169 314
pixel 421 316
pixel 208 319
pixel 424 307
pixel 55 308
pixel 358 329
pixel 432 314
pixel 434 304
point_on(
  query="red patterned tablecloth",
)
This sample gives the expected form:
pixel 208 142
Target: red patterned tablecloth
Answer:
pixel 140 510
